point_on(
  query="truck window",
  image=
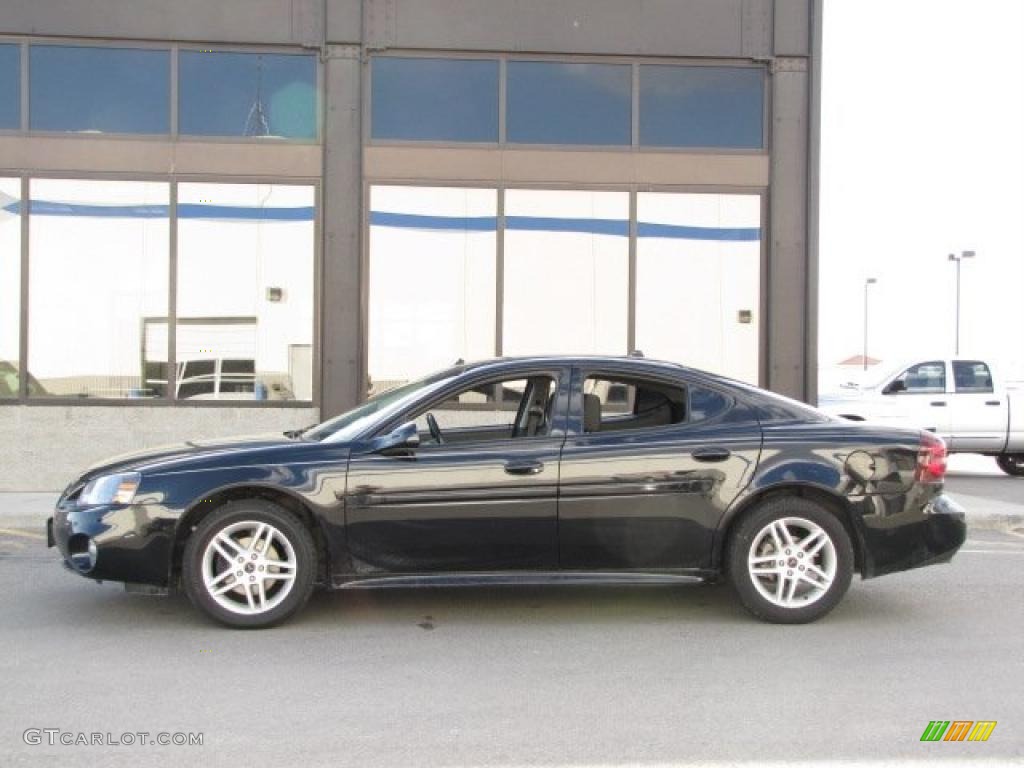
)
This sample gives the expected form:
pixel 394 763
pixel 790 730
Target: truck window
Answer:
pixel 972 376
pixel 924 377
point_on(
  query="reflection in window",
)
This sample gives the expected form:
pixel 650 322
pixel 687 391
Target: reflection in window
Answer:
pixel 615 405
pixel 10 284
pixel 432 280
pixel 566 272
pixel 10 87
pixel 99 253
pixel 552 102
pixel 245 292
pixel 247 94
pixel 99 90
pixel 923 378
pixel 701 106
pixel 698 280
pixel 972 376
pixel 434 99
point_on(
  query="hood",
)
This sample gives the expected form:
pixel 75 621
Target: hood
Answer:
pixel 153 458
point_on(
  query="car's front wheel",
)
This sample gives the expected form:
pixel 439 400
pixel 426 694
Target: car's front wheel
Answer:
pixel 249 563
pixel 790 560
pixel 1011 463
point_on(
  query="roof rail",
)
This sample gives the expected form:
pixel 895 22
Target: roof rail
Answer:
pixel 635 353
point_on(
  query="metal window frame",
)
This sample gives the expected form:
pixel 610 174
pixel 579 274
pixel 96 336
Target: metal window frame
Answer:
pixel 633 189
pixel 635 62
pixel 173 49
pixel 172 180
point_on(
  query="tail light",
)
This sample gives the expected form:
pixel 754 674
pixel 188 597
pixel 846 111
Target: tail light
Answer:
pixel 931 459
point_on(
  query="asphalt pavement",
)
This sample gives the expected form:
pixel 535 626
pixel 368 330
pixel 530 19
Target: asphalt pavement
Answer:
pixel 520 676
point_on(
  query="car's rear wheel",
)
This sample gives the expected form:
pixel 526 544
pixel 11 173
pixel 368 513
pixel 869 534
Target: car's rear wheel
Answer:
pixel 790 560
pixel 249 563
pixel 1011 463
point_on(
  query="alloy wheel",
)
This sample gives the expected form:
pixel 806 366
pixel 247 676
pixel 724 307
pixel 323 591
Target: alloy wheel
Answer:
pixel 792 562
pixel 249 567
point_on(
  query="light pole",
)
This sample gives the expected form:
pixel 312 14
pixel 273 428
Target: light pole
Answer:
pixel 953 257
pixel 864 358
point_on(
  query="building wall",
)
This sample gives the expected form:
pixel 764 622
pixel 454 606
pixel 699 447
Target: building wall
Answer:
pixel 344 163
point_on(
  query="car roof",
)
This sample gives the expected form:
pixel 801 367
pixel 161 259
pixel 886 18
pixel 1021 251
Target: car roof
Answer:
pixel 635 362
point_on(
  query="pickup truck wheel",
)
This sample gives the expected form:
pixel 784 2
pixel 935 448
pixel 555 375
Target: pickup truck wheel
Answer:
pixel 1011 463
pixel 790 561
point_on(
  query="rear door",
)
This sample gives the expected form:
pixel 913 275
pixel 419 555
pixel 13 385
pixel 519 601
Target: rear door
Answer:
pixel 979 416
pixel 648 468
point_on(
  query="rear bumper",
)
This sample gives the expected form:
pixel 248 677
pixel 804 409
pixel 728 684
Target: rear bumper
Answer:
pixel 928 536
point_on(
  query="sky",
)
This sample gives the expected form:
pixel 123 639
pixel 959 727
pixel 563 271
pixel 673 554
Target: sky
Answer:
pixel 922 155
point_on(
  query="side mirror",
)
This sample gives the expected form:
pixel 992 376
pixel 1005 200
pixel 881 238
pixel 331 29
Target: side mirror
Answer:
pixel 404 437
pixel 894 386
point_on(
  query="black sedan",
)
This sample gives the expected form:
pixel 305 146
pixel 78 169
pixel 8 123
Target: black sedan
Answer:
pixel 548 469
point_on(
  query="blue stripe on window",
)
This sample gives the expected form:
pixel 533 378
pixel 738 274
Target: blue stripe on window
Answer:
pixel 680 232
pixel 613 227
pixel 185 211
pixel 419 221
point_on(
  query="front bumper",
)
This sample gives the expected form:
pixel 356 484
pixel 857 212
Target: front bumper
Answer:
pixel 933 534
pixel 115 542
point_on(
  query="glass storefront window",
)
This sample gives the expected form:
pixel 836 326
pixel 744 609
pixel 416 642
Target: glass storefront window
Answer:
pixel 432 280
pixel 698 280
pixel 98 270
pixel 554 102
pixel 566 272
pixel 10 284
pixel 245 292
pixel 10 87
pixel 247 94
pixel 421 99
pixel 99 90
pixel 701 106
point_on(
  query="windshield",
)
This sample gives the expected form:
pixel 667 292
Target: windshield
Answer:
pixel 378 408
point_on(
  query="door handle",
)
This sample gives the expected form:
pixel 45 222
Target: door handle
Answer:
pixel 939 403
pixel 991 402
pixel 711 454
pixel 524 467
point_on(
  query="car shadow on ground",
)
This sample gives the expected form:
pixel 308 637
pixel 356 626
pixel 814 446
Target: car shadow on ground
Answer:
pixel 427 610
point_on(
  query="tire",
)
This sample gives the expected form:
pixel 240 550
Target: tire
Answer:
pixel 829 553
pixel 272 586
pixel 1011 463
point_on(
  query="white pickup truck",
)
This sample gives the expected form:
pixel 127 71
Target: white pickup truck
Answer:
pixel 958 399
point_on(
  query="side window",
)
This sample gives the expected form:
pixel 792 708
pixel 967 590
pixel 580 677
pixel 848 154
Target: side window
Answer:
pixel 613 404
pixel 922 378
pixel 494 410
pixel 706 403
pixel 972 376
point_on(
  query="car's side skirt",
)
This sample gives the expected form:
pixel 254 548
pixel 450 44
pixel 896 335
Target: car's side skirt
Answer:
pixel 524 578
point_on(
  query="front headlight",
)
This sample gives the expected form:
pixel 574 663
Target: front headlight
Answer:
pixel 111 489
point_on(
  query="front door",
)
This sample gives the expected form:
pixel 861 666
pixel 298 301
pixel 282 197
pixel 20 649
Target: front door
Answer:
pixel 648 469
pixel 917 398
pixel 478 494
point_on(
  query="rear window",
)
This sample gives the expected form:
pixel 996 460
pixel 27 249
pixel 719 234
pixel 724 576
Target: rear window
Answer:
pixel 613 404
pixel 706 403
pixel 972 376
